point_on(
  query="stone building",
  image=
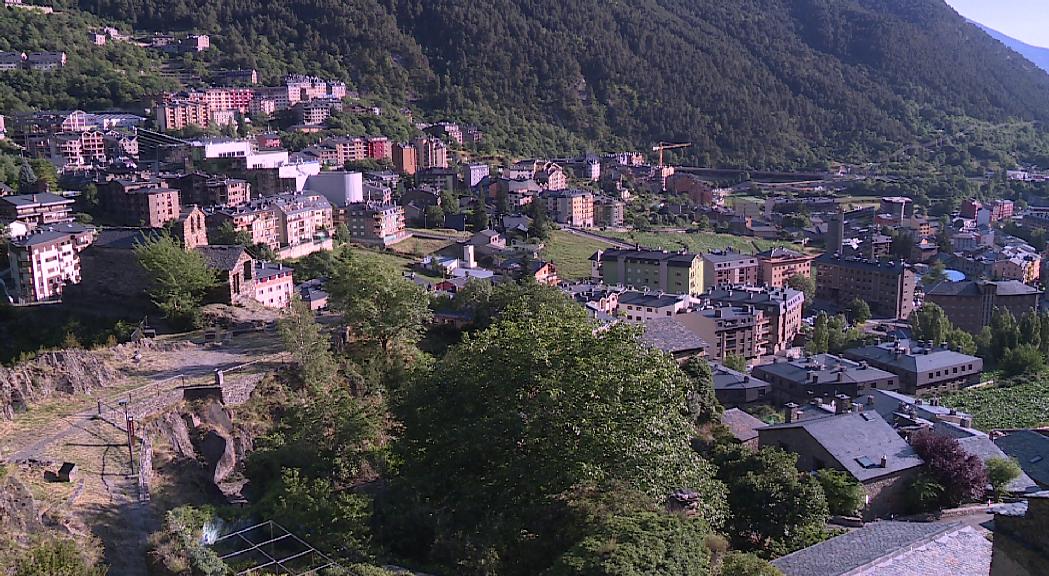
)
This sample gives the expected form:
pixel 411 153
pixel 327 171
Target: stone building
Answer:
pixel 923 369
pixel 970 305
pixel 887 287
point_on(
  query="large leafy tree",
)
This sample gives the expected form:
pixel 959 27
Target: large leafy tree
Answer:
pixel 703 405
pixel 962 476
pixel 930 322
pixel 180 278
pixel 535 406
pixel 304 338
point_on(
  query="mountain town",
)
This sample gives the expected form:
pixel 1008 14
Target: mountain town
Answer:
pixel 265 312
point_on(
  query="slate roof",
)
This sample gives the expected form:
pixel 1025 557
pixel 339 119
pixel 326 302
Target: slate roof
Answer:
pixel 653 256
pixel 973 288
pixel 1031 450
pixel 887 402
pixel 24 200
pixel 221 257
pixel 728 256
pixel 726 378
pixel 873 544
pixel 780 252
pixel 650 300
pixel 742 425
pixel 982 446
pixel 827 368
pixel 52 233
pixel 124 238
pixel 857 264
pixel 913 357
pixel 849 438
pixel 669 335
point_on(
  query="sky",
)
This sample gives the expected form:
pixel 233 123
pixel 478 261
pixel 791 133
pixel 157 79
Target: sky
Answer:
pixel 1025 20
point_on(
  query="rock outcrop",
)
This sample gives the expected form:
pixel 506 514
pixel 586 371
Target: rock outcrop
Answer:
pixel 18 512
pixel 61 372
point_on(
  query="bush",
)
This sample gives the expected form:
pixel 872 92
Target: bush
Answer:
pixel 923 495
pixel 740 564
pixel 1000 472
pixel 57 557
pixel 961 475
pixel 844 494
pixel 1023 359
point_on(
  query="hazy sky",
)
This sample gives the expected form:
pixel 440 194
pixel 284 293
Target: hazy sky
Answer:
pixel 1025 20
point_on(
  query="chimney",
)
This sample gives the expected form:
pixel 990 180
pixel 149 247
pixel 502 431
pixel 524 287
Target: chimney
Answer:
pixel 870 400
pixel 814 377
pixel 842 404
pixel 790 412
pixel 884 461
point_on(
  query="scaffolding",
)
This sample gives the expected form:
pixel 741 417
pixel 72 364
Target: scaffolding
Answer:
pixel 269 548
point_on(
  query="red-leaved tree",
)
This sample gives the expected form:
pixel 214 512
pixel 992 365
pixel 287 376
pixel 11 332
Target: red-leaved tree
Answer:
pixel 962 476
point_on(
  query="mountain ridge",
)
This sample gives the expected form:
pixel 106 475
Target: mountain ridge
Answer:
pixel 1038 55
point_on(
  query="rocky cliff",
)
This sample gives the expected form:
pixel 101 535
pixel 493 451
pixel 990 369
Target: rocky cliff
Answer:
pixel 61 372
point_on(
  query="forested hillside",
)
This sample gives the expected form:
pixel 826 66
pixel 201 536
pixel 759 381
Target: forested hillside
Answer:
pixel 751 82
pixel 1036 54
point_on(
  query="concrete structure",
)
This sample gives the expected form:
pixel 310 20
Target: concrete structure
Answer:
pixel 376 224
pixel 178 114
pixel 405 159
pixel 658 270
pixel 970 305
pixel 821 377
pixel 140 203
pixel 282 221
pixel 609 212
pixel 887 287
pixel 861 444
pixel 431 153
pixel 36 209
pixel 570 207
pixel 738 330
pixel 474 174
pixel 924 370
pixel 340 188
pixel 728 268
pixel 45 261
pixel 782 307
pixel 778 265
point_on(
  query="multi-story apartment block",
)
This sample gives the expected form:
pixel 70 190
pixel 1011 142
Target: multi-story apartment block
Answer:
pixel 571 207
pixel 379 148
pixel 551 176
pixel 781 306
pixel 657 270
pixel 317 111
pixel 728 268
pixel 887 287
pixel 177 114
pixel 12 60
pixel 431 153
pixel 644 306
pixel 274 285
pixel 35 210
pixel 778 265
pixel 256 218
pixel 71 150
pixel 280 221
pixel 970 305
pixel 738 330
pixel 823 376
pixel 45 60
pixel 405 159
pixel 242 76
pixel 204 190
pixel 45 261
pixel 609 212
pixel 923 368
pixel 474 174
pixel 146 203
pixel 378 224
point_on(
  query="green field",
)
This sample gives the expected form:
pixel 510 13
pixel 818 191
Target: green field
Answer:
pixel 571 253
pixel 695 242
pixel 1023 405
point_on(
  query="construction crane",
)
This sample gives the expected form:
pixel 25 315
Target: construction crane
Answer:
pixel 668 146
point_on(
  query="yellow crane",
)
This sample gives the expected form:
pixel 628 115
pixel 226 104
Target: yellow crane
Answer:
pixel 668 146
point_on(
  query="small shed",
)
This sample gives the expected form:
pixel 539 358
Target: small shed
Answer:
pixel 67 473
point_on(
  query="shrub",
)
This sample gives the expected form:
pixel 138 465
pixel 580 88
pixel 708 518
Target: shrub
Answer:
pixel 740 564
pixel 1000 472
pixel 961 475
pixel 56 557
pixel 844 494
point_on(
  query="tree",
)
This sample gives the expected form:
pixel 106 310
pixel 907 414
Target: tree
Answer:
pixel 228 235
pixel 930 322
pixel 1000 472
pixel 56 557
pixel 735 362
pixel 844 494
pixel 805 284
pixel 342 234
pixel 309 345
pixel 1030 329
pixel 1023 359
pixel 961 475
pixel 703 405
pixel 937 273
pixel 480 217
pixel 27 178
pixel 819 341
pixel 1005 333
pixel 540 226
pixel 740 564
pixel 539 404
pixel 180 279
pixel 380 304
pixel 771 502
pixel 449 202
pixel 502 202
pixel 859 311
pixel 433 216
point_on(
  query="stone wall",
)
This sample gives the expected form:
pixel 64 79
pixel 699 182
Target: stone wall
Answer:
pixel 1021 539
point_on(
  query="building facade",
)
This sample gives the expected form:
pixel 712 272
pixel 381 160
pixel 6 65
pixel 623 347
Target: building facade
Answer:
pixel 729 268
pixel 970 304
pixel 45 261
pixel 778 265
pixel 887 287
pixel 657 270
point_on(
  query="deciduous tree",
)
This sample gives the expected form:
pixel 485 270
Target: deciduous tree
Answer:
pixel 180 278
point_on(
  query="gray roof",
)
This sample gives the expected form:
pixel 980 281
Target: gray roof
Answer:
pixel 26 200
pixel 859 436
pixel 828 259
pixel 270 269
pixel 887 402
pixel 1031 450
pixel 52 233
pixel 872 544
pixel 124 238
pixel 742 425
pixel 974 288
pixel 648 299
pixel 912 357
pixel 728 379
pixel 827 368
pixel 985 449
pixel 669 335
pixel 221 257
pixel 728 256
pixel 672 258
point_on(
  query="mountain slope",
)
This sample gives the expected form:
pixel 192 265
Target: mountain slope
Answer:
pixel 1036 54
pixel 751 82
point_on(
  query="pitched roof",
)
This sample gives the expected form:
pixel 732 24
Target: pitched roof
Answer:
pixel 669 335
pixel 886 541
pixel 975 288
pixel 52 233
pixel 742 425
pixel 912 356
pixel 827 368
pixel 25 200
pixel 124 238
pixel 985 449
pixel 222 257
pixel 858 441
pixel 1031 450
pixel 726 378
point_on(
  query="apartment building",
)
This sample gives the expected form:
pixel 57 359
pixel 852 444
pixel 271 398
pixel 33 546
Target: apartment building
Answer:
pixel 778 265
pixel 657 270
pixel 570 207
pixel 274 286
pixel 738 330
pixel 729 268
pixel 431 153
pixel 924 369
pixel 609 212
pixel 35 210
pixel 45 261
pixel 782 308
pixel 280 221
pixel 204 190
pixel 376 224
pixel 405 159
pixel 258 219
pixel 823 376
pixel 644 306
pixel 970 305
pixel 70 150
pixel 45 61
pixel 179 113
pixel 887 287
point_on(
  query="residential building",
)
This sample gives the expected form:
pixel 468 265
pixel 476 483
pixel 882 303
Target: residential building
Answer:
pixel 405 159
pixel 178 114
pixel 735 330
pixel 894 548
pixel 861 444
pixel 35 210
pixel 431 153
pixel 657 270
pixel 283 221
pixel 43 262
pixel 701 193
pixel 644 306
pixel 734 389
pixel 1021 542
pixel 140 203
pixel 474 174
pixel 242 76
pixel 743 426
pixel 782 308
pixel 887 287
pixel 897 207
pixel 609 212
pixel 257 218
pixel 571 207
pixel 822 376
pixel 12 60
pixel 1030 448
pixel 924 370
pixel 203 190
pixel 970 304
pixel 551 177
pixel 45 60
pixel 378 224
pixel 729 268
pixel 69 150
pixel 274 286
pixel 778 265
